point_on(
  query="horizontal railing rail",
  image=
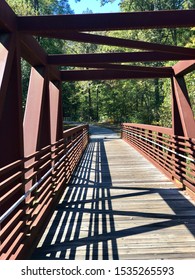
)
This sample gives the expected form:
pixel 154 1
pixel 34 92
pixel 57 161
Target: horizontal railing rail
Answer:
pixel 174 155
pixel 28 190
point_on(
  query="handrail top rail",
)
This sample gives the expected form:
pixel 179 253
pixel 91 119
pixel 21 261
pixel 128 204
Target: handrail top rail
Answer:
pixel 155 128
pixel 159 129
pixel 28 192
pixel 75 129
pixel 20 161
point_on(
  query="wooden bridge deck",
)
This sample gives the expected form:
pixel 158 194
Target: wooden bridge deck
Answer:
pixel 119 206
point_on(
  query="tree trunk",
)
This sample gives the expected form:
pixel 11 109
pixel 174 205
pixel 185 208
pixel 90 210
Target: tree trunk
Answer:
pixel 90 103
pixel 36 4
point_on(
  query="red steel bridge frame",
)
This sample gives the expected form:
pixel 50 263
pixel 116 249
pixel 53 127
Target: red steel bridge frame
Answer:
pixel 35 144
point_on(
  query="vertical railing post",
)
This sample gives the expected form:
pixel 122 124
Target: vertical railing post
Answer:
pixel 159 141
pixel 32 117
pixel 36 134
pixel 56 125
pixel 11 139
pixel 182 118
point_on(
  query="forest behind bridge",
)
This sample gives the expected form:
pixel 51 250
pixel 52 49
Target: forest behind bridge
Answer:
pixel 140 101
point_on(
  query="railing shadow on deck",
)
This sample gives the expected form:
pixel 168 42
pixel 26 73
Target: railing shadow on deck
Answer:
pixel 71 230
pixel 67 224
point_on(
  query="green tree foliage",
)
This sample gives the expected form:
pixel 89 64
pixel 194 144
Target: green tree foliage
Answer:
pixel 30 7
pixel 150 101
pixel 190 78
pixel 165 108
pixel 53 46
pixel 142 101
pixel 140 5
pixel 22 7
pixel 84 95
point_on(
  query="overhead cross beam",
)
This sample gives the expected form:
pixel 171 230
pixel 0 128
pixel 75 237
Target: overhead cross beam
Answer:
pixel 123 67
pixel 76 59
pixel 86 75
pixel 118 42
pixel 114 21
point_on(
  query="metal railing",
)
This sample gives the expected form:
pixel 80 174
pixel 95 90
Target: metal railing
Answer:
pixel 174 155
pixel 24 208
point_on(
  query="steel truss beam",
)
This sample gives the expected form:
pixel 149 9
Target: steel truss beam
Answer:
pixel 36 56
pixel 184 67
pixel 56 117
pixel 183 119
pixel 43 123
pixel 32 51
pixel 32 116
pixel 122 67
pixel 120 42
pixel 8 19
pixel 76 59
pixel 35 25
pixel 84 75
pixel 7 51
pixel 10 100
pixel 43 116
pixel 11 140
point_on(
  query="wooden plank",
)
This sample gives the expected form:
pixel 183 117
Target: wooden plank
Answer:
pixel 119 209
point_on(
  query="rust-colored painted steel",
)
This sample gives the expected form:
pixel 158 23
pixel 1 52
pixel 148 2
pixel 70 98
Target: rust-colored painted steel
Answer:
pixel 3 60
pixel 11 149
pixel 76 59
pixel 183 115
pixel 16 242
pixel 174 155
pixel 114 66
pixel 113 21
pixel 8 19
pixel 176 120
pixel 85 75
pixel 54 102
pixel 33 110
pixel 72 136
pixel 32 117
pixel 32 51
pixel 36 56
pixel 120 42
pixel 159 129
pixel 30 48
pixel 11 144
pixel 7 51
pixel 54 113
pixel 39 154
pixel 184 67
